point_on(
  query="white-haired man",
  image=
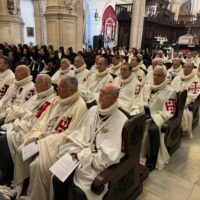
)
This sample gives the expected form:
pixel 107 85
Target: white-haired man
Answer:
pixel 28 114
pixel 18 93
pixel 6 75
pixel 59 119
pixel 63 72
pixel 176 68
pixel 187 81
pixel 160 104
pixel 91 143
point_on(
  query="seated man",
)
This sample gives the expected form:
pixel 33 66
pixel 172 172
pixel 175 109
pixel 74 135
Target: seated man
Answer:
pixel 115 66
pixel 63 114
pixel 94 67
pixel 96 143
pixel 63 72
pixel 28 114
pixel 137 72
pixel 176 68
pixel 100 77
pixel 160 101
pixel 6 75
pixel 80 71
pixel 129 90
pixel 187 81
pixel 18 93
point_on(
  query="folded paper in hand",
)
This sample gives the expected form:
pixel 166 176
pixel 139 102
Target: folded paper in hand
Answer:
pixel 63 167
pixel 29 150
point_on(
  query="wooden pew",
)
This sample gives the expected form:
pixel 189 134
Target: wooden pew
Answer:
pixel 123 179
pixel 172 128
pixel 194 108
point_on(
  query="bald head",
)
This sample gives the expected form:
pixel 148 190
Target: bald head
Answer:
pixel 22 72
pixel 108 95
pixel 187 68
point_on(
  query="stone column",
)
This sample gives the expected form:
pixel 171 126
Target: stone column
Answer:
pixel 137 23
pixel 175 8
pixel 40 30
pixel 195 7
pixel 64 26
pixel 11 23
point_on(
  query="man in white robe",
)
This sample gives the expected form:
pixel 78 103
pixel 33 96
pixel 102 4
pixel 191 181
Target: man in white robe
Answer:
pixel 6 75
pixel 80 71
pixel 137 72
pixel 130 95
pixel 100 77
pixel 96 143
pixel 160 103
pixel 176 68
pixel 63 72
pixel 187 81
pixel 18 93
pixel 50 132
pixel 115 66
pixel 28 114
pixel 94 67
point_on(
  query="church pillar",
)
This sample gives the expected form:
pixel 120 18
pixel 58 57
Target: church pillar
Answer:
pixel 196 7
pixel 11 23
pixel 39 22
pixel 64 25
pixel 137 23
pixel 176 8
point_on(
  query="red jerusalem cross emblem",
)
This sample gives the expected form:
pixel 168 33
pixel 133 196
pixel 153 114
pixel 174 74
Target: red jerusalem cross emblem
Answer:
pixel 194 88
pixel 171 106
pixel 63 124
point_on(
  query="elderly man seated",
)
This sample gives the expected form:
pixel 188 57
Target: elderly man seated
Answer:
pixel 176 68
pixel 64 113
pixel 28 114
pixel 130 96
pixel 18 93
pixel 80 71
pixel 100 77
pixel 63 72
pixel 96 143
pixel 160 102
pixel 187 81
pixel 115 66
pixel 138 73
pixel 6 75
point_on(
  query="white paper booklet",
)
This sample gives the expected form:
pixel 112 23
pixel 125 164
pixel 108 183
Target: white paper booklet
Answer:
pixel 63 167
pixel 29 150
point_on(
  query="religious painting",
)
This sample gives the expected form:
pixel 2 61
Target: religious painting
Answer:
pixel 30 31
pixel 151 11
pixel 109 21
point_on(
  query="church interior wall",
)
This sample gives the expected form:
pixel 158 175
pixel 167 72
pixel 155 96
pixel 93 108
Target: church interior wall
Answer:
pixel 27 13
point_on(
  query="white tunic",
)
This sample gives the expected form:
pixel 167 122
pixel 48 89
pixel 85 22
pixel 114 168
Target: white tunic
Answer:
pixel 6 79
pixel 40 175
pixel 192 85
pixel 138 73
pixel 92 143
pixel 18 93
pixel 130 98
pixel 61 74
pixel 115 69
pixel 162 105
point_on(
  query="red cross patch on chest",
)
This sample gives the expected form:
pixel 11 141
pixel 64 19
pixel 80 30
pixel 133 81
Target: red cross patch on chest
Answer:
pixel 171 106
pixel 42 109
pixel 194 88
pixel 63 124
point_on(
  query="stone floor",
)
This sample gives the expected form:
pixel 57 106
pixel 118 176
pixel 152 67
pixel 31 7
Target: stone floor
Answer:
pixel 180 179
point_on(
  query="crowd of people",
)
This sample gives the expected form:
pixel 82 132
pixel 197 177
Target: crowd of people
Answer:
pixel 46 97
